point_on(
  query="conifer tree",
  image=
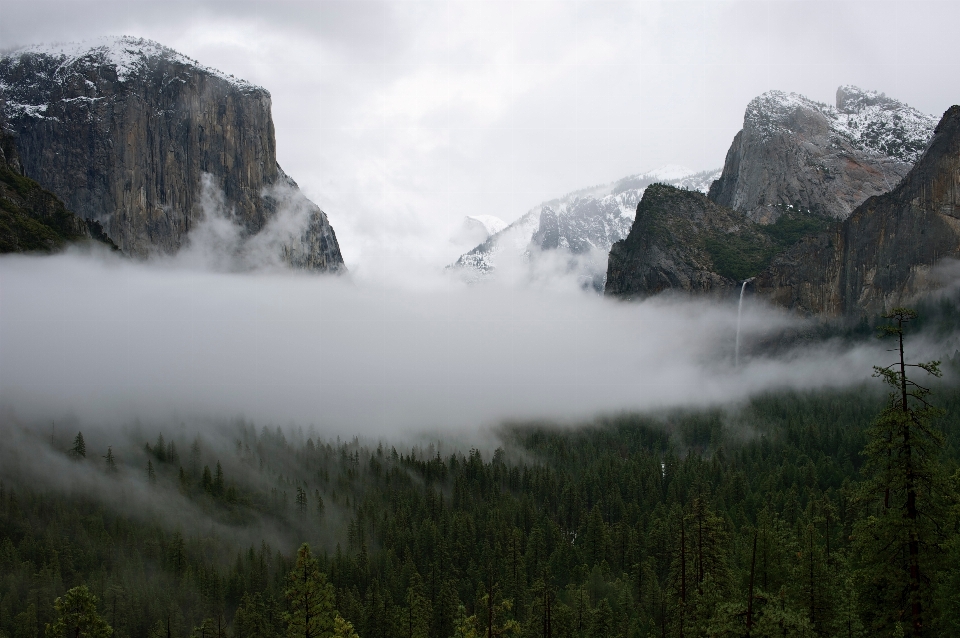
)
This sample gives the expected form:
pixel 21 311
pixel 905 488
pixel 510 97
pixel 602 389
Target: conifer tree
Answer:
pixel 301 501
pixel 160 449
pixel 415 622
pixel 151 474
pixel 309 598
pixel 77 616
pixel 218 483
pixel 252 618
pixel 343 628
pixel 904 484
pixel 111 461
pixel 79 449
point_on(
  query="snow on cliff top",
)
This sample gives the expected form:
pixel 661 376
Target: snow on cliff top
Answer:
pixel 869 120
pixel 129 55
pixel 491 224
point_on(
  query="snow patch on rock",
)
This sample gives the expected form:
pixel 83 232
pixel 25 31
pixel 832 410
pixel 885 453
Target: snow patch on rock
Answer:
pixel 869 120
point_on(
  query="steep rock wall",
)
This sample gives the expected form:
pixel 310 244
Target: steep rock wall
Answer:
pixel 885 253
pixel 125 130
pixel 795 152
pixel 670 245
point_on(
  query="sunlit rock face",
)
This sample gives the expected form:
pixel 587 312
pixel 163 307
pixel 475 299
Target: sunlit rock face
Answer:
pixel 793 151
pixel 887 251
pixel 125 131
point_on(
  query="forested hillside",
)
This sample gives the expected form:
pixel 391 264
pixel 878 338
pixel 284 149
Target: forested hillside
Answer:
pixel 761 519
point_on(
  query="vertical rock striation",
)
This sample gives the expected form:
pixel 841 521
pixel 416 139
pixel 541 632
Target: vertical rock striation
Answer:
pixel 33 219
pixel 886 251
pixel 124 131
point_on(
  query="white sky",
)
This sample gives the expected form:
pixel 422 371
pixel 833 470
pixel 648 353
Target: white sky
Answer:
pixel 400 118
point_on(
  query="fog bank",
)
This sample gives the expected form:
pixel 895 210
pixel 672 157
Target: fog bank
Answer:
pixel 107 340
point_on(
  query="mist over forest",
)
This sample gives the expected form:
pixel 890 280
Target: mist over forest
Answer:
pixel 458 458
pixel 288 348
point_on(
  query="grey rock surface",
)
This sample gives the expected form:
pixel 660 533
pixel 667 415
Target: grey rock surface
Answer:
pixel 793 151
pixel 887 252
pixel 670 246
pixel 124 130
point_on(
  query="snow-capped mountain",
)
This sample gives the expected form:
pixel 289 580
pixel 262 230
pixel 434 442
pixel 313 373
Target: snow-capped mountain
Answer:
pixel 869 120
pixel 793 151
pixel 580 226
pixel 878 123
pixel 143 139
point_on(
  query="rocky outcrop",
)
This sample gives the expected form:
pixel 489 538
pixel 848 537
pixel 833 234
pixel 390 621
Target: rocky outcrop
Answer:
pixel 125 131
pixel 682 241
pixel 33 219
pixel 581 226
pixel 795 152
pixel 885 253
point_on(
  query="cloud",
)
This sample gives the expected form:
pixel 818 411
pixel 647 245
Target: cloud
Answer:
pixel 109 341
pixel 400 118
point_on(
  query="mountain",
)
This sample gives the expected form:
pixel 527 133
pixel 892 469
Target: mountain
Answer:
pixel 793 151
pixel 33 219
pixel 795 169
pixel 683 241
pixel 886 252
pixel 579 227
pixel 668 247
pixel 128 132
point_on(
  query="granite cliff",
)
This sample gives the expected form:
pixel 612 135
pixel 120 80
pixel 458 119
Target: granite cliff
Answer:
pixel 126 131
pixel 793 151
pixel 886 252
pixel 33 219
pixel 682 241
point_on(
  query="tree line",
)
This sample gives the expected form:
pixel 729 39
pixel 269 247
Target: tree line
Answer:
pixel 817 513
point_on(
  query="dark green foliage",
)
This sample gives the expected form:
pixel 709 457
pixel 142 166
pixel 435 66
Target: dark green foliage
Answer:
pixel 310 599
pixel 33 219
pixel 79 449
pixel 77 617
pixel 742 255
pixel 738 256
pixel 567 532
pixel 794 224
pixel 906 495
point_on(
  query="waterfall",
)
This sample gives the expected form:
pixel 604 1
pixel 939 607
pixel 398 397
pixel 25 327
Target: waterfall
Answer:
pixel 736 356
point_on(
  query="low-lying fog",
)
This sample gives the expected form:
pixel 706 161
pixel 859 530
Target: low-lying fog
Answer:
pixel 104 339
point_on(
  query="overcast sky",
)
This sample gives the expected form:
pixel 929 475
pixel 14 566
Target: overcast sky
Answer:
pixel 400 118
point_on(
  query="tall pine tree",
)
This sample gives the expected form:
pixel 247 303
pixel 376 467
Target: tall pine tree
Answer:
pixel 310 599
pixel 904 488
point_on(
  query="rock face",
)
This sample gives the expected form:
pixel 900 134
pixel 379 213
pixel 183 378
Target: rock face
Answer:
pixel 125 131
pixel 793 151
pixel 885 252
pixel 582 225
pixel 33 219
pixel 677 243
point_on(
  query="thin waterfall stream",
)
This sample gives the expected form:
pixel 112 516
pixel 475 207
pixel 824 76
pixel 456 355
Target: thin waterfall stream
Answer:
pixel 736 355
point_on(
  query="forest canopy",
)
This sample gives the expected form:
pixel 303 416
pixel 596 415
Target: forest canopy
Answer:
pixel 768 518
